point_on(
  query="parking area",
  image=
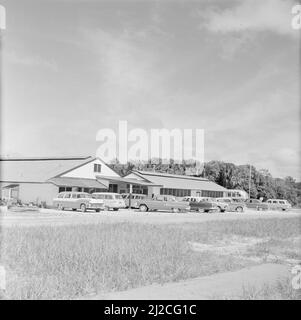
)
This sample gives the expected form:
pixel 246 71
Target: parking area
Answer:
pixel 55 217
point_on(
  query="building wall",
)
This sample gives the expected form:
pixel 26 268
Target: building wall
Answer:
pixel 153 190
pixel 37 192
pixel 87 171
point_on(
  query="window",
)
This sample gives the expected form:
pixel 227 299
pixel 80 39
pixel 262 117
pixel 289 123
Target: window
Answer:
pixel 74 195
pixel 282 202
pixel 275 201
pixel 67 195
pixel 175 192
pixel 212 194
pixel 98 196
pixel 61 189
pixel 97 167
pixel 61 195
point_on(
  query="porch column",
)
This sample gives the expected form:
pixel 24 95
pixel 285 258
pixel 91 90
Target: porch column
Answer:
pixel 130 196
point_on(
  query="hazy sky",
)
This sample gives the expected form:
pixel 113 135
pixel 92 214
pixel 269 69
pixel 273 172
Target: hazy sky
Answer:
pixel 232 68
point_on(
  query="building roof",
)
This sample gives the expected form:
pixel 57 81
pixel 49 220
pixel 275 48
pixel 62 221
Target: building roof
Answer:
pixel 77 182
pixel 129 181
pixel 163 174
pixel 180 182
pixel 37 169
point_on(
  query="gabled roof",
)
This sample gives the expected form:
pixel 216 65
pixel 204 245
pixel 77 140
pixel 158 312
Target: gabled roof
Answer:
pixel 37 169
pixel 180 182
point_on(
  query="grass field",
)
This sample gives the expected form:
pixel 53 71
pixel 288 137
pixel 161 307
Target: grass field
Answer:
pixel 65 262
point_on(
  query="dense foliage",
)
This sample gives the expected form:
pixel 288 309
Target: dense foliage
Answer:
pixel 228 175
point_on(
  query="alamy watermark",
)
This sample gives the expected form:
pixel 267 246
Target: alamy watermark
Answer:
pixel 176 145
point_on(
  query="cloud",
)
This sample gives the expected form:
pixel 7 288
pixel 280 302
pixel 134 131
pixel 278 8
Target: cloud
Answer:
pixel 251 15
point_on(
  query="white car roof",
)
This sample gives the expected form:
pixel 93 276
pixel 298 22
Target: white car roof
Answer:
pixel 110 193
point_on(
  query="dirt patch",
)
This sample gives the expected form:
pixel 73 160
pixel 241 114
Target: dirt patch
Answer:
pixel 203 288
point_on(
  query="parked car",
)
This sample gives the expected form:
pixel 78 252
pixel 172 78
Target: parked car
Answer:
pixel 162 203
pixel 278 204
pixel 77 201
pixel 232 204
pixel 111 200
pixel 221 206
pixel 201 204
pixel 256 204
pixel 134 199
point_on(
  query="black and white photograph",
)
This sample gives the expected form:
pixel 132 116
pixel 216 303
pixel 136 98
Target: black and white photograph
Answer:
pixel 150 151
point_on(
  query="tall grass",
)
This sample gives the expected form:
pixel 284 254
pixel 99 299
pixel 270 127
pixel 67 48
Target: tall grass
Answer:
pixel 72 261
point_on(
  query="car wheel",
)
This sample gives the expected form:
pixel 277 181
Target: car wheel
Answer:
pixel 97 210
pixel 115 209
pixel 219 209
pixel 83 207
pixel 239 209
pixel 143 208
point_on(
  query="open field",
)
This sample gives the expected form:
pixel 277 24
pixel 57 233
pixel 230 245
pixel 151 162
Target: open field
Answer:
pixel 55 217
pixel 103 253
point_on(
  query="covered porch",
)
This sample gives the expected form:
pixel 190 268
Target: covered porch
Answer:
pixel 126 185
pixel 78 184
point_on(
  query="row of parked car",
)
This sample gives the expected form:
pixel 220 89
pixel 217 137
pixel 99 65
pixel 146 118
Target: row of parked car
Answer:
pixel 106 200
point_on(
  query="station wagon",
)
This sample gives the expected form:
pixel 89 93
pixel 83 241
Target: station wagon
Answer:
pixel 111 200
pixel 134 199
pixel 77 201
pixel 278 204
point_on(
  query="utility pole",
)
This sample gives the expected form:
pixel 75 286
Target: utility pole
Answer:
pixel 250 182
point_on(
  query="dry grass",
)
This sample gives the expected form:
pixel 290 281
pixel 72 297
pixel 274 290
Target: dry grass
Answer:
pixel 72 261
pixel 282 290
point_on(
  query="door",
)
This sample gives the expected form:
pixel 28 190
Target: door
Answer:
pixel 66 200
pixel 251 204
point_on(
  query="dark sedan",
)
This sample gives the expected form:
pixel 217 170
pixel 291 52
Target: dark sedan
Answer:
pixel 256 204
pixel 200 205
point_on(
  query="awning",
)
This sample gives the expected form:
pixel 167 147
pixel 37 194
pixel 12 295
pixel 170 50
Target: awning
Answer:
pixel 104 179
pixel 10 186
pixel 77 182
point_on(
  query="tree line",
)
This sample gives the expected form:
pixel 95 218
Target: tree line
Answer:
pixel 228 175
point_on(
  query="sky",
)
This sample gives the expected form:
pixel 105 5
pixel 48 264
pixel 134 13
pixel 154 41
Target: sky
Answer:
pixel 230 67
